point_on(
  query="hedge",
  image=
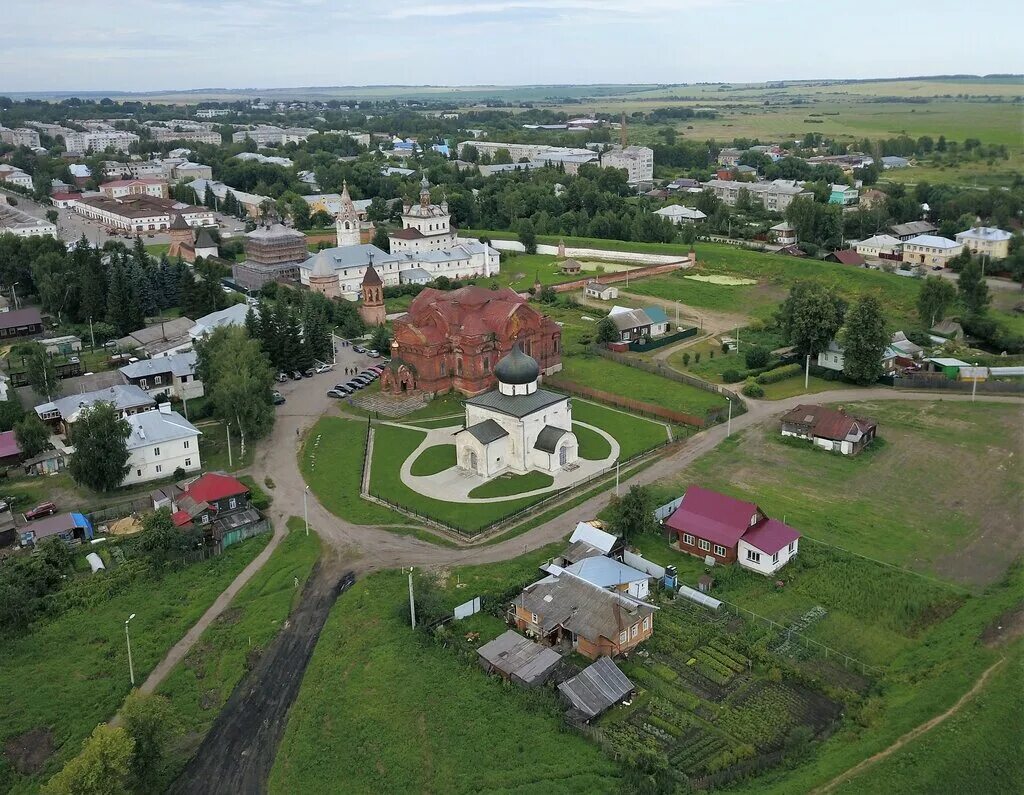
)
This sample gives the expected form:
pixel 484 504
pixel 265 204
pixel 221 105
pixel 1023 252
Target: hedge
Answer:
pixel 753 390
pixel 779 374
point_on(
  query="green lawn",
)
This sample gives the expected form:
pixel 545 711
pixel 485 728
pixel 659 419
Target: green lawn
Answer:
pixel 592 445
pixel 70 673
pixel 384 709
pixel 634 434
pixel 213 447
pixel 629 382
pixel 510 485
pixel 434 459
pixel 756 299
pixel 331 463
pixel 200 685
pixel 393 445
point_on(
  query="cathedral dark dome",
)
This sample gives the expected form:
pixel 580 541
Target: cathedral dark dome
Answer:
pixel 517 368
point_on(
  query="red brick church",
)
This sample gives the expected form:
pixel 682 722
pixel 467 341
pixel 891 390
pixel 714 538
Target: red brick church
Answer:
pixel 453 340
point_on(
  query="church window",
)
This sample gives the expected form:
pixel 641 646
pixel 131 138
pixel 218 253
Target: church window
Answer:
pixel 458 366
pixel 487 364
pixel 444 368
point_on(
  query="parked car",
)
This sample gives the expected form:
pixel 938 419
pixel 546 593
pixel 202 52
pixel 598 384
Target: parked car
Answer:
pixel 336 393
pixel 296 376
pixel 41 510
pixel 325 368
pixel 277 397
pixel 354 384
pixel 343 388
pixel 371 374
pixel 936 267
pixel 359 349
pixel 282 377
pixel 363 380
pixel 373 354
pixel 309 373
pixel 110 344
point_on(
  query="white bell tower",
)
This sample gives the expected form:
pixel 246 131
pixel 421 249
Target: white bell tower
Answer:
pixel 347 225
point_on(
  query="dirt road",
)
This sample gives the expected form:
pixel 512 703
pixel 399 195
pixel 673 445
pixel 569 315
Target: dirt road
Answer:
pixel 238 753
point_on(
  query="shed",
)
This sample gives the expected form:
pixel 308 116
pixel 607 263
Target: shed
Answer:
pixel 594 536
pixel 518 659
pixel 595 689
pixel 571 266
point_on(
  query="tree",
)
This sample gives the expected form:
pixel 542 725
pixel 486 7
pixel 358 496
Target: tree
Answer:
pixel 11 413
pixel 934 300
pixel 42 373
pixel 756 356
pixel 527 235
pixel 380 239
pixel 864 339
pixel 151 723
pixel 321 220
pixel 238 381
pixel 102 767
pixel 100 439
pixel 32 434
pixel 300 213
pixel 811 316
pixel 52 216
pixel 973 289
pixel 381 340
pixel 160 540
pixel 633 513
pixel 607 331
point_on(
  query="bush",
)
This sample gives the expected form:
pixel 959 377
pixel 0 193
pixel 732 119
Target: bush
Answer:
pixel 753 390
pixel 756 357
pixel 732 376
pixel 686 360
pixel 779 374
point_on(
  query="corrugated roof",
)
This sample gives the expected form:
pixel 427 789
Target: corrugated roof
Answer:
pixel 605 572
pixel 594 536
pixel 520 658
pixel 153 427
pixel 123 396
pixel 486 432
pixel 712 516
pixel 547 439
pixel 596 688
pixel 516 405
pixel 178 364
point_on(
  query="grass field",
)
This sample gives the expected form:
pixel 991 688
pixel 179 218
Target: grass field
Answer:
pixel 754 300
pixel 331 463
pixel 433 460
pixel 629 382
pixel 70 673
pixel 634 434
pixel 200 685
pixel 592 445
pixel 388 711
pixel 510 485
pixel 870 503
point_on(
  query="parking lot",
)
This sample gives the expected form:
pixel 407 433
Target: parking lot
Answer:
pixel 308 396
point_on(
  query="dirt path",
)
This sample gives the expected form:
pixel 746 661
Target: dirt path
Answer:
pixel 911 735
pixel 238 753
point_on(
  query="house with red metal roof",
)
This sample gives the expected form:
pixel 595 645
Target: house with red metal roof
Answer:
pixel 829 429
pixel 215 503
pixel 711 525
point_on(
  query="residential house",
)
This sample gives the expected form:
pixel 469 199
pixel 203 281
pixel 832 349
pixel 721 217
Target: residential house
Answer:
pixel 945 365
pixel 216 503
pixel 10 450
pixel 829 429
pixel 784 233
pixel 726 530
pixel 930 250
pixel 633 325
pixel 986 241
pixel 872 197
pixel 678 214
pixel 161 339
pixel 660 324
pixel 911 229
pixel 13 175
pixel 160 443
pixel 595 689
pixel 166 375
pixel 833 358
pixel 20 323
pixel 903 346
pixel 596 622
pixel 684 185
pixel 843 195
pixel 729 157
pixel 63 412
pixel 880 247
pixel 609 573
pixel 845 257
pixel 601 292
pixel 774 196
pixel 234 315
pixel 518 659
pixel 73 528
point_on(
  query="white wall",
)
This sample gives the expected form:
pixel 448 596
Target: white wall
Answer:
pixel 145 464
pixel 766 565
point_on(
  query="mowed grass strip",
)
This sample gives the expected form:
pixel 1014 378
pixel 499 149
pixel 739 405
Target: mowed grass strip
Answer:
pixel 630 382
pixel 333 469
pixel 385 710
pixel 393 445
pixel 200 685
pixel 70 673
pixel 592 445
pixel 508 485
pixel 634 434
pixel 434 459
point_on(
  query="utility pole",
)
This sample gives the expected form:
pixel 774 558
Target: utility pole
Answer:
pixel 974 381
pixel 807 372
pixel 128 640
pixel 728 427
pixel 305 510
pixel 616 478
pixel 227 429
pixel 412 601
pixel 91 335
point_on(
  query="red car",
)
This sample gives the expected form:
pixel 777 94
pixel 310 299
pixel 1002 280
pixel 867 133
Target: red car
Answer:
pixel 44 509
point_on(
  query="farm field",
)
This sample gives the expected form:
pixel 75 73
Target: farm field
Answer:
pixel 628 382
pixel 417 717
pixel 77 665
pixel 962 533
pixel 200 685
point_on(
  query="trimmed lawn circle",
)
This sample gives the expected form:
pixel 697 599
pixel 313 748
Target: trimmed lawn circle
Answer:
pixel 592 445
pixel 433 460
pixel 509 485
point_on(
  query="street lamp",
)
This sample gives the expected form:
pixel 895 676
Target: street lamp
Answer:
pixel 128 640
pixel 728 427
pixel 305 509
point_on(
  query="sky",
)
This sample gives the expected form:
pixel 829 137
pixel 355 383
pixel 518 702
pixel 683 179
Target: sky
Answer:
pixel 159 45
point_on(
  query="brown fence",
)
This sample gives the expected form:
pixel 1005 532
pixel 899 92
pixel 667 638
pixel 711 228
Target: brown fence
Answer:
pixel 621 276
pixel 638 406
pixel 944 384
pixel 662 369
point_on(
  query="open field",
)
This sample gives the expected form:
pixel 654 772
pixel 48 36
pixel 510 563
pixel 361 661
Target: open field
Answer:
pixel 872 504
pixel 70 673
pixel 388 710
pixel 200 685
pixel 522 271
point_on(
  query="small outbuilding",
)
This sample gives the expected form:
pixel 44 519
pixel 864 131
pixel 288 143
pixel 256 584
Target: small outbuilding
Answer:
pixel 595 689
pixel 571 266
pixel 518 659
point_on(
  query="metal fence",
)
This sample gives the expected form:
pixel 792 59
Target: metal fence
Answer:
pixel 661 342
pixel 941 383
pixel 119 510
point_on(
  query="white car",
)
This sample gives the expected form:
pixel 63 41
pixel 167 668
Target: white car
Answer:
pixel 324 368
